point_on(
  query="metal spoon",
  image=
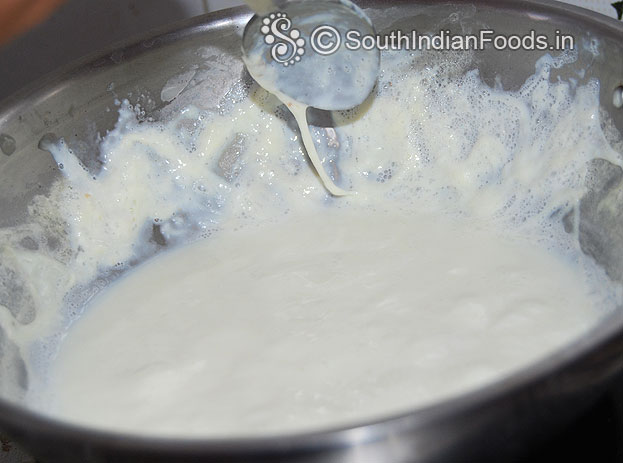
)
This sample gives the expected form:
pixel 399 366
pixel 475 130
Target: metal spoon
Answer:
pixel 297 51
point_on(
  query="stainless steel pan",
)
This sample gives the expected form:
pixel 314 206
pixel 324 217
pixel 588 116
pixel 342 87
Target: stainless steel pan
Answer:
pixel 494 421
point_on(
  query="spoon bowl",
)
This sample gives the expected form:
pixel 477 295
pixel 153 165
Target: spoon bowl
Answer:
pixel 307 51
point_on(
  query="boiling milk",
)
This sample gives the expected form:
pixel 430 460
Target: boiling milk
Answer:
pixel 446 268
pixel 299 325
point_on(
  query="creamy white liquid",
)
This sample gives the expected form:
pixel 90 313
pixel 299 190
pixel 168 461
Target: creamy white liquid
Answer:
pixel 432 158
pixel 299 111
pixel 315 321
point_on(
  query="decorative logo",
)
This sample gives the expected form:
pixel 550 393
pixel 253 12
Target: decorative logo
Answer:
pixel 287 47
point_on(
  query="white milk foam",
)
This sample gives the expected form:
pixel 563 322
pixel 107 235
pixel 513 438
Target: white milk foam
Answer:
pixel 431 147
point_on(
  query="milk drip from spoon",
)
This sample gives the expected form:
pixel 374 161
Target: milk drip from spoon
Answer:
pixel 296 51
